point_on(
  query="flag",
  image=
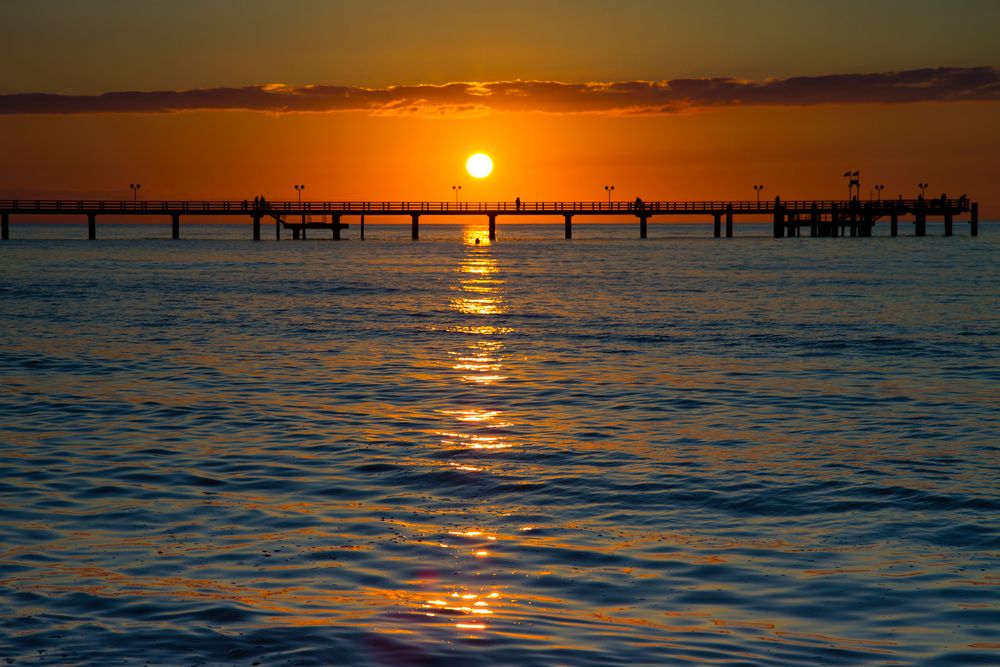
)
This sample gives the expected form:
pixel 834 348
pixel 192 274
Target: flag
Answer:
pixel 847 174
pixel 857 173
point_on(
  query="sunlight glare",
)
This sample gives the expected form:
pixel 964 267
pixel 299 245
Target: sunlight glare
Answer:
pixel 479 165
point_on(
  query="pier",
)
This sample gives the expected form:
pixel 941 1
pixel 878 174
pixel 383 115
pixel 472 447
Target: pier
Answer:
pixel 819 218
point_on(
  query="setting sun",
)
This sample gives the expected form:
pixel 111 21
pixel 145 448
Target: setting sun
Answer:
pixel 479 165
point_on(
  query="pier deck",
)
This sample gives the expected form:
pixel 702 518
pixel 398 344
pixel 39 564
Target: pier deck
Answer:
pixel 819 217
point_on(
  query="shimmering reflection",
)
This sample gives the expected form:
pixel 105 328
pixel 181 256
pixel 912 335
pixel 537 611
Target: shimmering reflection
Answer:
pixel 478 359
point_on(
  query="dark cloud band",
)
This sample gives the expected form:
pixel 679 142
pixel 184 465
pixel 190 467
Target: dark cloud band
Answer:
pixel 616 98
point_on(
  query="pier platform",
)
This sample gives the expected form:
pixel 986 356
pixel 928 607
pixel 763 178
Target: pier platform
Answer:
pixel 818 218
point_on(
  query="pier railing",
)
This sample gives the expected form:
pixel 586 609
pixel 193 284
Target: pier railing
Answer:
pixel 632 207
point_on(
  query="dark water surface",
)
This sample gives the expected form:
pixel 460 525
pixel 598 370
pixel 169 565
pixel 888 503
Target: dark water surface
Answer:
pixel 537 452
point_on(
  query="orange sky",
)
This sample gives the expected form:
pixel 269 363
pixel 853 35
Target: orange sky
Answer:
pixel 794 152
pixel 706 144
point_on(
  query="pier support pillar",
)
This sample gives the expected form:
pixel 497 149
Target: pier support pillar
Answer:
pixel 834 221
pixel 5 226
pixel 568 226
pixel 894 224
pixel 717 225
pixel 642 226
pixel 335 227
pixel 921 223
pixel 493 228
pixel 91 226
pixel 175 226
pixel 973 220
pixel 948 220
pixel 295 234
pixel 414 226
pixel 362 226
pixel 256 226
pixel 277 229
pixel 729 221
pixel 779 219
pixel 814 221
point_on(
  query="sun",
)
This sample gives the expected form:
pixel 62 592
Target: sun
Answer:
pixel 479 165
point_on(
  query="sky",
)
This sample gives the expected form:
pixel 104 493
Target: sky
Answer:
pixel 385 99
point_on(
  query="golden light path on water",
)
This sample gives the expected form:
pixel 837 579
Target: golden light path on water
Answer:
pixel 478 297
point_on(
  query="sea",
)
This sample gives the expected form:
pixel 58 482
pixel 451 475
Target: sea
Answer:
pixel 531 452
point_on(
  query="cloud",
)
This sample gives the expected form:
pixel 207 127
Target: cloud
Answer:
pixel 941 84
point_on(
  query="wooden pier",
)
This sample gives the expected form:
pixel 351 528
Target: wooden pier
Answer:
pixel 827 218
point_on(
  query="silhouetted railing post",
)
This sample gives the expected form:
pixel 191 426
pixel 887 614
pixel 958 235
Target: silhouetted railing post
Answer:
pixel 568 225
pixel 779 219
pixel 948 219
pixel 175 226
pixel 91 226
pixel 414 226
pixel 973 220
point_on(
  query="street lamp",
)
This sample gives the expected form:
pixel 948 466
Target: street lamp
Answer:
pixel 298 191
pixel 609 189
pixel 457 189
pixel 757 189
pixel 878 192
pixel 135 191
pixel 923 187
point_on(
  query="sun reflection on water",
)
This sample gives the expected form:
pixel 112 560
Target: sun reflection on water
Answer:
pixel 477 361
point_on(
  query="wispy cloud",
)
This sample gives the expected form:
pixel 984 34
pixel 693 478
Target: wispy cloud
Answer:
pixel 940 84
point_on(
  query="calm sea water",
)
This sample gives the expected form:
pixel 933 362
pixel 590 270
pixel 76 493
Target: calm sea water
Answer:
pixel 683 451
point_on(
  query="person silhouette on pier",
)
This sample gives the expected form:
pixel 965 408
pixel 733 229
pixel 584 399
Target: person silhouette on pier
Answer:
pixel 256 203
pixel 517 203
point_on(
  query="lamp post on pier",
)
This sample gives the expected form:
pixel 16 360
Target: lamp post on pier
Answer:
pixel 609 189
pixel 923 188
pixel 298 192
pixel 457 189
pixel 757 189
pixel 135 191
pixel 878 192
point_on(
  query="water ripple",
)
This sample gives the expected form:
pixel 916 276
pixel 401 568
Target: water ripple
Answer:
pixel 602 452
